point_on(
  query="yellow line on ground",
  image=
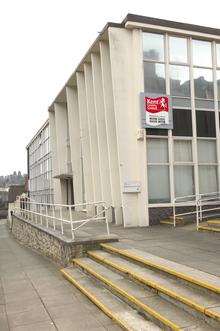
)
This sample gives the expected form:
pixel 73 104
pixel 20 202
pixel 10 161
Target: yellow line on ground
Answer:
pixel 128 296
pixel 162 268
pixel 91 296
pixel 208 228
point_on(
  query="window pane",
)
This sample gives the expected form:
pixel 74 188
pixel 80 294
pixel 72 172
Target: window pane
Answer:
pixel 205 123
pixel 184 180
pixel 203 82
pixel 182 122
pixel 156 132
pixel 179 81
pixel 206 151
pixel 154 78
pixel 178 49
pixel 153 46
pixel 202 53
pixel 182 151
pixel 218 82
pixel 208 179
pixel 218 54
pixel 158 184
pixel 157 150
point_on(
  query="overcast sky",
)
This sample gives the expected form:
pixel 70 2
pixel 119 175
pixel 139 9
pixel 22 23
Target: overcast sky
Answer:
pixel 42 41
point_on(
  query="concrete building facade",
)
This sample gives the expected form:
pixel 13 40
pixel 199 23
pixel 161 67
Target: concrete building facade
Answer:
pixel 40 181
pixel 100 149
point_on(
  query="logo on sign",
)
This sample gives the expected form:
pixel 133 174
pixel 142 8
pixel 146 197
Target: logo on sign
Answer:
pixel 157 110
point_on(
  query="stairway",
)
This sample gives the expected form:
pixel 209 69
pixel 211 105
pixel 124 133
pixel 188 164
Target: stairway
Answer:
pixel 212 225
pixel 180 221
pixel 140 291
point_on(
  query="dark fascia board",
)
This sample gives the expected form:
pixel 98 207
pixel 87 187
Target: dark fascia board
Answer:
pixel 170 24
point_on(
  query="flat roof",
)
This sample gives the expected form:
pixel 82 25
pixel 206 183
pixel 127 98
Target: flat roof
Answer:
pixel 136 19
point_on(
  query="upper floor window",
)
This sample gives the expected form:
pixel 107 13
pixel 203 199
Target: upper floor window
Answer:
pixel 153 47
pixel 218 54
pixel 203 82
pixel 178 50
pixel 202 53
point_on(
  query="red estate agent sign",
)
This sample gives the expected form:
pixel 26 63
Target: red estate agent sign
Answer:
pixel 157 111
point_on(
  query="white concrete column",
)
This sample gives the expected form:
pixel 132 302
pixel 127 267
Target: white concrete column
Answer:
pixel 86 149
pixel 111 131
pixel 92 123
pixel 101 127
pixel 127 80
pixel 53 146
pixel 61 136
pixel 75 142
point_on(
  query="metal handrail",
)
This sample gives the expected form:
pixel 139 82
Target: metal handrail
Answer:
pixel 196 202
pixel 37 211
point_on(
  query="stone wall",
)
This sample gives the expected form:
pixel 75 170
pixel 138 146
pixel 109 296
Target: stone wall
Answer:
pixel 52 244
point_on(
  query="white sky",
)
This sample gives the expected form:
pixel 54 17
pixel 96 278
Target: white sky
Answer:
pixel 42 41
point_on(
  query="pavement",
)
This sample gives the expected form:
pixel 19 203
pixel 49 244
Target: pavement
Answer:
pixel 35 297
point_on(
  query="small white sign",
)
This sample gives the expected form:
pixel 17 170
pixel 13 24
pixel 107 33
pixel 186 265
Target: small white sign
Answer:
pixel 132 187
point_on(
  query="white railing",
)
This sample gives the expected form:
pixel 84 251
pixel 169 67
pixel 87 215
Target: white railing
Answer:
pixel 206 205
pixel 60 217
pixel 196 201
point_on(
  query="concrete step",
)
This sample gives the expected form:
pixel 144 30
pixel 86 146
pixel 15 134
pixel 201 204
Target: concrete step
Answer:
pixel 208 227
pixel 156 308
pixel 198 278
pixel 214 223
pixel 198 303
pixel 124 315
pixel 180 221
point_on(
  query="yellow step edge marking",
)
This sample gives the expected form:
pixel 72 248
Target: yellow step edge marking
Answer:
pixel 208 228
pixel 157 287
pixel 213 222
pixel 131 298
pixel 166 222
pixel 162 268
pixel 90 295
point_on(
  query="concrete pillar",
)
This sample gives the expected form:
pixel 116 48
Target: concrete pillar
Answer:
pixel 92 123
pixel 101 127
pixel 85 138
pixel 127 80
pixel 111 131
pixel 75 142
pixel 62 137
pixel 53 142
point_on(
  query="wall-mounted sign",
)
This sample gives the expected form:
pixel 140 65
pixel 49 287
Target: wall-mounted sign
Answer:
pixel 156 111
pixel 132 187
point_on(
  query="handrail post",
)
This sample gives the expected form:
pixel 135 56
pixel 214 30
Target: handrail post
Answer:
pixel 174 214
pixel 71 222
pixel 106 220
pixel 54 221
pixel 47 223
pixel 61 219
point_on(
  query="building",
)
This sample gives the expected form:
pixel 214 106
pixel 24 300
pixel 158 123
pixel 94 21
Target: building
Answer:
pixel 111 140
pixel 40 182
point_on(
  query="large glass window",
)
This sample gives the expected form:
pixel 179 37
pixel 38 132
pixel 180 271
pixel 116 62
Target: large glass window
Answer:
pixel 182 151
pixel 157 150
pixel 202 53
pixel 178 49
pixel 158 184
pixel 182 122
pixel 184 180
pixel 154 78
pixel 203 83
pixel 205 121
pixel 208 179
pixel 218 82
pixel 206 151
pixel 153 46
pixel 179 81
pixel 218 54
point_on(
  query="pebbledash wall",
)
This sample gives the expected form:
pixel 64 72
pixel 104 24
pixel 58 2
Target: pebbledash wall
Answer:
pixel 99 147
